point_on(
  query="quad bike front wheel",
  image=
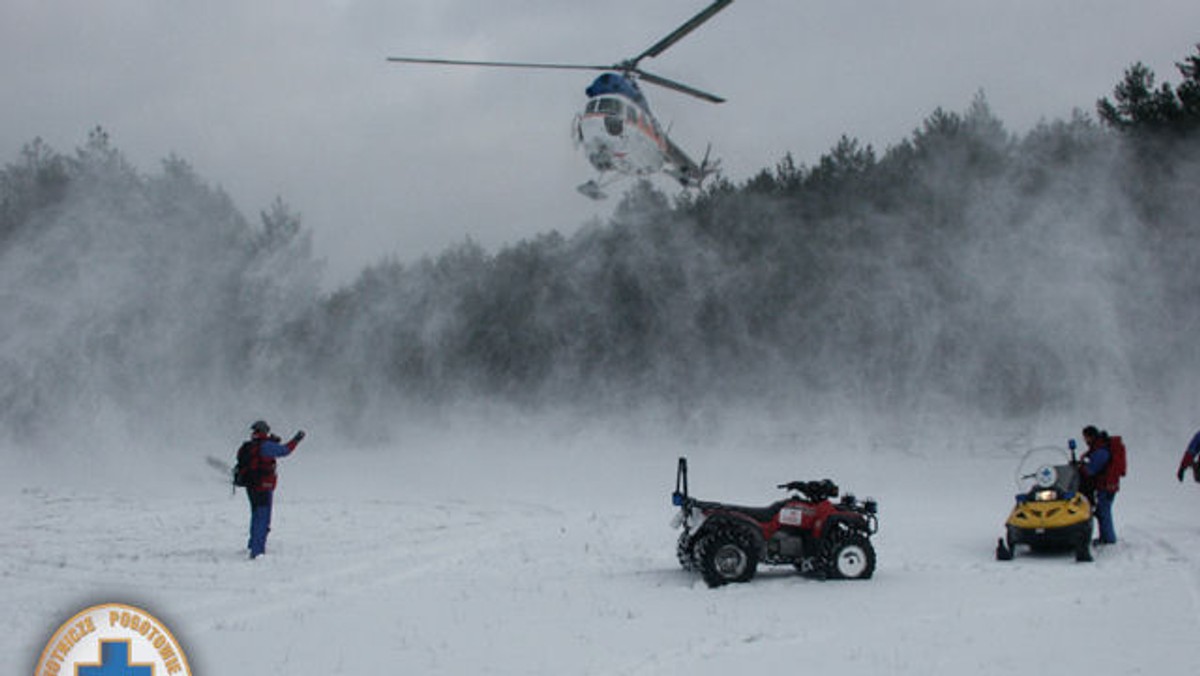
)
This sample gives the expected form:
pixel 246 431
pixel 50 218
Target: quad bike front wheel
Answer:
pixel 685 552
pixel 851 557
pixel 726 555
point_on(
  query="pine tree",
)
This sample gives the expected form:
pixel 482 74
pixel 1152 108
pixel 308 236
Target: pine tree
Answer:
pixel 1140 106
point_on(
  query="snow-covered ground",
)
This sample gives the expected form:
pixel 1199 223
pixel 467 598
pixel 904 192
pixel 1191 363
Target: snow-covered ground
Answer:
pixel 528 549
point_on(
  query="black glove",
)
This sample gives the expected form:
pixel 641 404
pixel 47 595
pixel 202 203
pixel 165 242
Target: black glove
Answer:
pixel 1180 473
pixel 299 436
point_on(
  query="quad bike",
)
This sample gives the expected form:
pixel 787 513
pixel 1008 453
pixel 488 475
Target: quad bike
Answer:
pixel 1051 513
pixel 806 530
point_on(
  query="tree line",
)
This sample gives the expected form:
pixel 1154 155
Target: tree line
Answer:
pixel 963 264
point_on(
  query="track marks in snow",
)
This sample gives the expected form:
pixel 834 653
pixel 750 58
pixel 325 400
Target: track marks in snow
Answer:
pixel 1160 546
pixel 319 551
pixel 490 585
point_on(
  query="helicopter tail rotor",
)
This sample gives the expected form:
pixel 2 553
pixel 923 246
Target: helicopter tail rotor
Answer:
pixel 707 166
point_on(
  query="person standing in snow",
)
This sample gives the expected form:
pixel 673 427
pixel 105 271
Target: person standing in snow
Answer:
pixel 1189 458
pixel 1097 481
pixel 262 449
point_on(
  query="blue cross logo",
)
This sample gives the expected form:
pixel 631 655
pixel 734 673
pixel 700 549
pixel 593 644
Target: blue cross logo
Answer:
pixel 114 661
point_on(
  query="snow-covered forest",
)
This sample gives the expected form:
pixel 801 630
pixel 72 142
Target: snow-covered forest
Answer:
pixel 965 264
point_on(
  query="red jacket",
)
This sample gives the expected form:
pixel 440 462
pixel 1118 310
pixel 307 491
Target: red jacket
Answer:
pixel 262 460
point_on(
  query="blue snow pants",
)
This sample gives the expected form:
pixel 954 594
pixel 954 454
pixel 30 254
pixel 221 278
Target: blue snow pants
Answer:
pixel 1104 503
pixel 260 521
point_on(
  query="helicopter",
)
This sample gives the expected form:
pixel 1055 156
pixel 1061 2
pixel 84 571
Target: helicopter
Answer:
pixel 616 130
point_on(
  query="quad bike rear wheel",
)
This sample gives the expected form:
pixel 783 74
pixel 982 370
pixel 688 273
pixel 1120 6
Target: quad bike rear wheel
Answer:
pixel 727 554
pixel 851 557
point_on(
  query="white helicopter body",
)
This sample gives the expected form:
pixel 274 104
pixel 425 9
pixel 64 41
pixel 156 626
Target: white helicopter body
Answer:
pixel 616 130
pixel 618 134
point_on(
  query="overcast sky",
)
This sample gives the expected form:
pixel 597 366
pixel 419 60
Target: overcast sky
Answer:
pixel 295 99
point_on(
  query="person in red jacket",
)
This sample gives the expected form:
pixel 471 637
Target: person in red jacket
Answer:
pixel 1100 481
pixel 1189 458
pixel 263 449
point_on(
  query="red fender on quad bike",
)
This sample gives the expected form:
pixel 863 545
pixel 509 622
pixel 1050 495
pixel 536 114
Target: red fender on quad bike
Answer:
pixel 807 530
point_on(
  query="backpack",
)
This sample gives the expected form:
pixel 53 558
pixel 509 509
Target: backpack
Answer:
pixel 246 469
pixel 1116 463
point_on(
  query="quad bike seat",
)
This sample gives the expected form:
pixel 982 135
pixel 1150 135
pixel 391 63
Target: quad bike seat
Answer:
pixel 760 514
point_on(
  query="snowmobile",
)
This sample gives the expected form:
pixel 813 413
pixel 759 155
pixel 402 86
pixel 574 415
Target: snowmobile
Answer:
pixel 807 530
pixel 1051 513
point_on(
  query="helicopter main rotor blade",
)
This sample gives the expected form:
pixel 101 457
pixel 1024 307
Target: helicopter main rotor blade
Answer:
pixel 496 64
pixel 677 35
pixel 648 77
pixel 629 66
pixel 677 86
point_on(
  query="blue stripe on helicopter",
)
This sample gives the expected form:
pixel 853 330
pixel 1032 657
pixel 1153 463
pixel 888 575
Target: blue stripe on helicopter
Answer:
pixel 615 83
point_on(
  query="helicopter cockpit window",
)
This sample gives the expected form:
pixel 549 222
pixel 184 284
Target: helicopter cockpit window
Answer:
pixel 609 106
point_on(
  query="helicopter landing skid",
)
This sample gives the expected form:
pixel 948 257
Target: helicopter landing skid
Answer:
pixel 591 189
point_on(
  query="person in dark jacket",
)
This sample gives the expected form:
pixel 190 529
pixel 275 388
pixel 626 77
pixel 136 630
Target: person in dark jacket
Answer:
pixel 1189 458
pixel 1094 467
pixel 264 449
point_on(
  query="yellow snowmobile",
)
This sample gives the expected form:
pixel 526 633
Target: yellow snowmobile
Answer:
pixel 1051 513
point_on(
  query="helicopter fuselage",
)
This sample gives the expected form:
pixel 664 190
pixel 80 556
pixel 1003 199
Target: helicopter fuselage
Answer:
pixel 618 135
pixel 616 130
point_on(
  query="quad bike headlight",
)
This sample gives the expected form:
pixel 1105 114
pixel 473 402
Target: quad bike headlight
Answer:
pixel 1045 495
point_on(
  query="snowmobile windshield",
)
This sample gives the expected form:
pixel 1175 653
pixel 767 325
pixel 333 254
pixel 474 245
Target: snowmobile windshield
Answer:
pixel 1046 467
pixel 1067 479
pixel 1054 482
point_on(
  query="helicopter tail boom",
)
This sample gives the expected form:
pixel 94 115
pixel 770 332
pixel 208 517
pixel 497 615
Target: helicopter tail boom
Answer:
pixel 685 170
